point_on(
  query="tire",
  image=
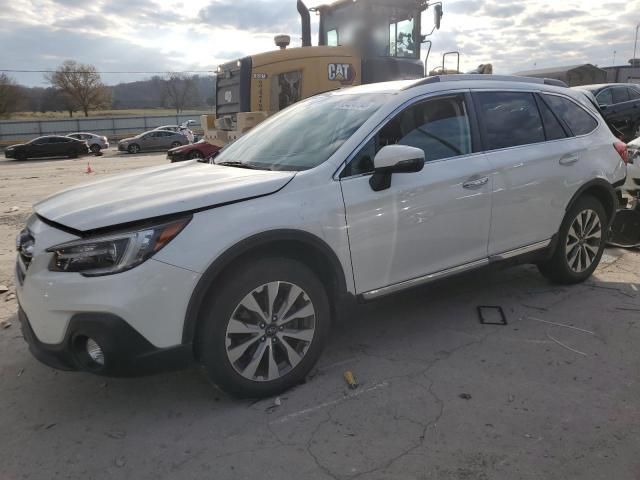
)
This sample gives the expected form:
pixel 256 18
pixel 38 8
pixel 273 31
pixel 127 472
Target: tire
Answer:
pixel 195 154
pixel 175 144
pixel 95 148
pixel 239 361
pixel 133 148
pixel 581 241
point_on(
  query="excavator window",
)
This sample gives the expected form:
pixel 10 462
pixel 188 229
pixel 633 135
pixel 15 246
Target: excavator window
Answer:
pixel 332 38
pixel 401 42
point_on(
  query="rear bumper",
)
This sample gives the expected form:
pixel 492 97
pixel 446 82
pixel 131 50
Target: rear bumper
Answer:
pixel 126 352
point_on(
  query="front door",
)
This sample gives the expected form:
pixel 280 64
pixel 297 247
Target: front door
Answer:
pixel 426 222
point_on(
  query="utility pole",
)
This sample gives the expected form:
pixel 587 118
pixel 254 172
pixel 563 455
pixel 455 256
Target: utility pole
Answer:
pixel 635 44
pixel 614 58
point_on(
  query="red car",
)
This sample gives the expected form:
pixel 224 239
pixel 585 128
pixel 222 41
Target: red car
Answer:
pixel 192 151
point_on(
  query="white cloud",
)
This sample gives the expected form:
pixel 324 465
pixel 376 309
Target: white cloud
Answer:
pixel 199 34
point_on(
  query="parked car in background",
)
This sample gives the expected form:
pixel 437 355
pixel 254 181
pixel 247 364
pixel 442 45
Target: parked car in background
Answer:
pixel 153 140
pixel 193 151
pixel 48 146
pixel 620 105
pixel 632 185
pixel 95 142
pixel 352 194
pixel 168 128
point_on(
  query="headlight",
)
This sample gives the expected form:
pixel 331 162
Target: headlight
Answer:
pixel 115 253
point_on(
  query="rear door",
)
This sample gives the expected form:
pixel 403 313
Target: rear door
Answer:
pixel 426 222
pixel 531 159
pixel 620 112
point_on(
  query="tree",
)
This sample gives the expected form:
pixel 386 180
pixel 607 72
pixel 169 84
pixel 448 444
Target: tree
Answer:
pixel 10 95
pixel 82 86
pixel 178 90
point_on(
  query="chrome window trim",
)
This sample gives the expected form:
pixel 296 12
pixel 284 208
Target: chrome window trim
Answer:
pixel 431 277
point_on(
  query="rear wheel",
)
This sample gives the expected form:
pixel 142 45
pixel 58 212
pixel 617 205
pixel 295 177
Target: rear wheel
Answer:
pixel 264 328
pixel 195 154
pixel 133 148
pixel 175 144
pixel 581 242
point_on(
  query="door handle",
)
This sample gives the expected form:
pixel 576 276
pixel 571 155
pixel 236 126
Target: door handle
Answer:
pixel 475 182
pixel 569 160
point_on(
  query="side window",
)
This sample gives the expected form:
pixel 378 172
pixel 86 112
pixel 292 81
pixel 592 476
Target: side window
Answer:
pixel 620 94
pixel 438 126
pixel 332 38
pixel 578 120
pixel 286 89
pixel 604 97
pixel 552 128
pixel 634 94
pixel 510 119
pixel 401 39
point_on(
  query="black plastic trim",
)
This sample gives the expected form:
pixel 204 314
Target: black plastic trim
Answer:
pixel 601 184
pixel 244 247
pixel 127 352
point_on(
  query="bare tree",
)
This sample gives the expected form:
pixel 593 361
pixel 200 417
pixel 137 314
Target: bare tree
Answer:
pixel 10 95
pixel 82 85
pixel 178 90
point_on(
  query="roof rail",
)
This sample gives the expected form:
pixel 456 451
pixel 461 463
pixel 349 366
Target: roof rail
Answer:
pixel 483 77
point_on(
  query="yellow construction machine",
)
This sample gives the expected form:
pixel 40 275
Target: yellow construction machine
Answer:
pixel 359 42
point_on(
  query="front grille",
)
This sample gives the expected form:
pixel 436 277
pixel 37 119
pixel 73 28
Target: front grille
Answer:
pixel 19 273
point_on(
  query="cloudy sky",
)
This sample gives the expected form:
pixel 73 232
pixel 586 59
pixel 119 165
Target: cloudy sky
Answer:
pixel 160 35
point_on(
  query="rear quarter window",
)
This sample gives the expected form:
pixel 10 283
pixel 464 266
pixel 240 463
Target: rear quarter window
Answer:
pixel 575 117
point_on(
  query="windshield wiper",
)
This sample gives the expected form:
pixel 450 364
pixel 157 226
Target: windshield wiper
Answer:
pixel 231 163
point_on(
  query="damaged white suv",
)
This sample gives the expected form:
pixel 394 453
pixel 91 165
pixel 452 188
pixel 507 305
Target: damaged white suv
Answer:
pixel 354 194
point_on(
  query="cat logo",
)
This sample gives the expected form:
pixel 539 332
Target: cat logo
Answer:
pixel 342 72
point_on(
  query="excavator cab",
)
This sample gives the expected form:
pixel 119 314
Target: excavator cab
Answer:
pixel 386 33
pixel 359 41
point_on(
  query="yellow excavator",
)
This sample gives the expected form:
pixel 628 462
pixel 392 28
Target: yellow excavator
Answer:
pixel 359 42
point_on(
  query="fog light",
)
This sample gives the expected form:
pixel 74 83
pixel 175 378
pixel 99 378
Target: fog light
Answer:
pixel 94 351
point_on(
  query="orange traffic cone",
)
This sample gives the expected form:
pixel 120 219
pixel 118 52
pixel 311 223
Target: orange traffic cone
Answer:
pixel 89 170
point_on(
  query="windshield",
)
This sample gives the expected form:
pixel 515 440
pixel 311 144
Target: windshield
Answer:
pixel 304 135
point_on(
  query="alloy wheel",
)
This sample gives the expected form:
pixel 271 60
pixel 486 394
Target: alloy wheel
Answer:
pixel 270 331
pixel 583 241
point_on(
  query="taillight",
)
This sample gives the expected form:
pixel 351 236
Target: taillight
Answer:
pixel 622 150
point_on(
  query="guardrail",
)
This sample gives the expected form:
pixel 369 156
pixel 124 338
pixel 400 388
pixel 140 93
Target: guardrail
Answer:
pixel 114 128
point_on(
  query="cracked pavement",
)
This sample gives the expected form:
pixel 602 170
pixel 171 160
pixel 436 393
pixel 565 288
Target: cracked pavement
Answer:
pixel 441 396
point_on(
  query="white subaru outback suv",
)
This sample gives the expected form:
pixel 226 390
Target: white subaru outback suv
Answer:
pixel 354 194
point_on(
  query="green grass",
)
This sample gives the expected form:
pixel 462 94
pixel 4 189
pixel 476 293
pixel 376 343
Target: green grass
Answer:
pixel 102 113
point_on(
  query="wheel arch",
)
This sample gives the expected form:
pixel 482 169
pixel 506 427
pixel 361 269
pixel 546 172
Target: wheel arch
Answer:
pixel 601 190
pixel 303 246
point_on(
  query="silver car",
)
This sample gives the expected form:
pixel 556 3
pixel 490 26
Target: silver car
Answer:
pixel 95 142
pixel 153 140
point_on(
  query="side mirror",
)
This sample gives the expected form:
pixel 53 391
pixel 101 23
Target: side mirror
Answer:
pixel 437 15
pixel 394 159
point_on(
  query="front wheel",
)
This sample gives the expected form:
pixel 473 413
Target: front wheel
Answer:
pixel 265 327
pixel 581 242
pixel 135 148
pixel 195 155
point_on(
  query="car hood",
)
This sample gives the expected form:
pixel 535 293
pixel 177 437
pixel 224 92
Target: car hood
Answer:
pixel 157 191
pixel 17 145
